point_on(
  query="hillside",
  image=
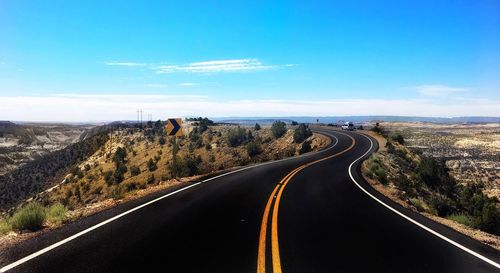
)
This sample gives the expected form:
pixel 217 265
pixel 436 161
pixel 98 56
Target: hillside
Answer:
pixel 134 160
pixel 425 184
pixel 22 143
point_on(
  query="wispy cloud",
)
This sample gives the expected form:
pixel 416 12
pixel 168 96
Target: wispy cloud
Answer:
pixel 129 64
pixel 84 107
pixel 239 65
pixel 437 90
pixel 187 84
pixel 215 66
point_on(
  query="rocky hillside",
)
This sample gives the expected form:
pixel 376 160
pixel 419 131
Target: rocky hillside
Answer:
pixel 20 144
pixel 134 160
pixel 425 185
pixel 121 159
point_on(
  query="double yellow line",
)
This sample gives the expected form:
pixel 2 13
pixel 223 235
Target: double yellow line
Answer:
pixel 276 195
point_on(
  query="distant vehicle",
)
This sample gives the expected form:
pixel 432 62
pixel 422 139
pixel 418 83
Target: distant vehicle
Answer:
pixel 349 126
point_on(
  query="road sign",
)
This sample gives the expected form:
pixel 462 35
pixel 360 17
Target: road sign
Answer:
pixel 174 127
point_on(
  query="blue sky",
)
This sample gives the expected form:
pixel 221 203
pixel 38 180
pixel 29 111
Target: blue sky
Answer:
pixel 101 60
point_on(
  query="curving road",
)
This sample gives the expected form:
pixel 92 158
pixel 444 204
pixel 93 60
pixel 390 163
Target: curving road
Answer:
pixel 308 214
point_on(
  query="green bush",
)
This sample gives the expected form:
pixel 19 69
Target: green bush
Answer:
pixel 134 170
pixel 461 218
pixel 117 192
pixel 278 129
pixel 398 138
pixel 305 147
pixel 151 179
pixel 4 226
pixel 31 217
pixel 56 214
pixel 301 133
pixel 256 127
pixel 418 204
pixel 236 137
pixel 253 148
pixel 187 166
pixel 441 205
pixel 376 170
pixel 108 177
pixel 152 165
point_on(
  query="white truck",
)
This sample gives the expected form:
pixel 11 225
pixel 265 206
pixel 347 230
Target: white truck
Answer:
pixel 348 126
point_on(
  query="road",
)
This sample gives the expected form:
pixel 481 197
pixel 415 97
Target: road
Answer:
pixel 304 214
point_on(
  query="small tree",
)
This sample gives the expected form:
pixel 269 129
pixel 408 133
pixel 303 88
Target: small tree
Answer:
pixel 256 127
pixel 294 123
pixel 253 148
pixel 278 129
pixel 236 137
pixel 152 165
pixel 301 133
pixel 306 147
pixel 134 170
pixel 398 138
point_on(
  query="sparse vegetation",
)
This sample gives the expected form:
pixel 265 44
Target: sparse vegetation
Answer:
pixel 429 187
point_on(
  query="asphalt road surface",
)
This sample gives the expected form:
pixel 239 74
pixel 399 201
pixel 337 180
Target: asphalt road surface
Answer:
pixel 306 214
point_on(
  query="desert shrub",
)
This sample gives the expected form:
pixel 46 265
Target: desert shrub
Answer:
pixel 376 170
pixel 301 133
pixel 294 123
pixel 406 185
pixel 152 165
pixel 289 151
pixel 117 192
pixel 161 141
pixel 120 155
pixel 151 179
pixel 56 214
pixel 398 138
pixel 208 146
pixel 435 175
pixel 187 166
pixel 461 218
pixel 119 173
pixel 278 129
pixel 236 137
pixel 130 186
pixel 134 170
pixel 442 205
pixel 4 226
pixel 256 127
pixel 305 147
pixel 97 190
pixel 108 177
pixel 377 129
pixel 31 217
pixel 418 204
pixel 489 219
pixel 253 148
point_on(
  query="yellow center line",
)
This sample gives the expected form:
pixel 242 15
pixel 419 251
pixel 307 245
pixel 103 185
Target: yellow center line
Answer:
pixel 276 260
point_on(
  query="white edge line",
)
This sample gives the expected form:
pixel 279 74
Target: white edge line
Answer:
pixel 72 237
pixel 477 255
